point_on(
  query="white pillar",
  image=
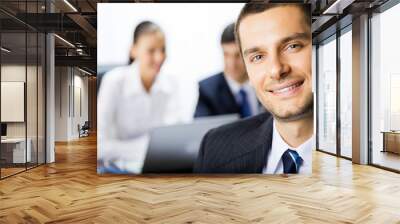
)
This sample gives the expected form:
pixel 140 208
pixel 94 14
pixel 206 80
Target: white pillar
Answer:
pixel 50 92
pixel 50 99
pixel 360 90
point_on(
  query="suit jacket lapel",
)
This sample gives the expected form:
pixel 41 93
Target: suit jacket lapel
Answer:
pixel 250 154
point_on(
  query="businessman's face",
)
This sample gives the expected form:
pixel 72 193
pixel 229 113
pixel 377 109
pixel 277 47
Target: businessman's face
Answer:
pixel 233 63
pixel 276 46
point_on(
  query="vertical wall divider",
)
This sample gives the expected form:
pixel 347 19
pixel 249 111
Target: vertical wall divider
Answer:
pixel 369 78
pixel 73 93
pixel 60 86
pixel 316 96
pixel 338 76
pixel 26 87
pixel 45 93
pixel 69 92
pixel 37 90
pixel 1 166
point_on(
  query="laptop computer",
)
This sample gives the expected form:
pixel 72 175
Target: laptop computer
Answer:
pixel 174 149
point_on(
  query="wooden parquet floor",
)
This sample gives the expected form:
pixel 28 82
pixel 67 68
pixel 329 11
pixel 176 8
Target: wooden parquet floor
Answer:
pixel 70 191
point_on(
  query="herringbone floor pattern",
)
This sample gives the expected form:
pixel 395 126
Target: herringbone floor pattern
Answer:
pixel 70 191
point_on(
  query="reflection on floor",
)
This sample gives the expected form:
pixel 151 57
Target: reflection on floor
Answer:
pixel 386 159
pixel 8 170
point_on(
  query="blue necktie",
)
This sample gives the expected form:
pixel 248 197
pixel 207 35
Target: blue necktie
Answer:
pixel 245 110
pixel 291 161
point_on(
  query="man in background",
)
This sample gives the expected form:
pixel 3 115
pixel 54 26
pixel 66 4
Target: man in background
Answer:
pixel 228 92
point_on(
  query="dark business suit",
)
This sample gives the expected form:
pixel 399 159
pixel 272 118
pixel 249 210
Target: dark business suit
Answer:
pixel 239 147
pixel 215 97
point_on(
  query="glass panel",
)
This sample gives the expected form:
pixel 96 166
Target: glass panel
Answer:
pixel 41 98
pixel 41 79
pixel 385 84
pixel 31 100
pixel 31 88
pixel 327 96
pixel 13 89
pixel 346 94
pixel 22 88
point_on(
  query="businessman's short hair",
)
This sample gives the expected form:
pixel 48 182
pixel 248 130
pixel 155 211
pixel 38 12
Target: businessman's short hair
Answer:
pixel 228 35
pixel 260 6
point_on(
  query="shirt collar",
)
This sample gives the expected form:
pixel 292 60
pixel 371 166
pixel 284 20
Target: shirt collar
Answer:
pixel 133 84
pixel 279 146
pixel 305 150
pixel 236 86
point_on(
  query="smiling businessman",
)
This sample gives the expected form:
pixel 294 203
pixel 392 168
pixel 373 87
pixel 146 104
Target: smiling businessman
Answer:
pixel 275 43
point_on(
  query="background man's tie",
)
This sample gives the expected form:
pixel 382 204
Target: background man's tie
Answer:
pixel 245 110
pixel 291 161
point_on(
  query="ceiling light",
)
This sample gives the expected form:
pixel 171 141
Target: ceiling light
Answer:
pixel 5 50
pixel 70 5
pixel 65 41
pixel 338 6
pixel 84 71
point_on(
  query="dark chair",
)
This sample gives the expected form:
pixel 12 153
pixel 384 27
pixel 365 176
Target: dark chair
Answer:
pixel 84 130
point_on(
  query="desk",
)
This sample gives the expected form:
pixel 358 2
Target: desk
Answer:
pixel 391 141
pixel 13 150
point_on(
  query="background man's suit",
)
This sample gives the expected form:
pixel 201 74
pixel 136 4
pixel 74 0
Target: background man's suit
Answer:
pixel 239 147
pixel 215 97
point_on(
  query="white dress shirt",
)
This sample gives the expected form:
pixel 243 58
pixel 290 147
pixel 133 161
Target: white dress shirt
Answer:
pixel 279 146
pixel 126 114
pixel 235 88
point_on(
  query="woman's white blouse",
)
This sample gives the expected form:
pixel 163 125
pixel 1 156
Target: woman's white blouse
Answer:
pixel 126 114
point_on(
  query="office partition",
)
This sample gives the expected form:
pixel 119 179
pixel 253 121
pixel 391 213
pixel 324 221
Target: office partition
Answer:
pixel 22 77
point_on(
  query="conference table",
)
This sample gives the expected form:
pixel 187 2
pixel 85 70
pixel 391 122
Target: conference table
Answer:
pixel 13 150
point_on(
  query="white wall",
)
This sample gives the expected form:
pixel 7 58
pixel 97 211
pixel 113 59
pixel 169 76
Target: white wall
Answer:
pixel 80 83
pixel 314 90
pixel 12 73
pixel 193 32
pixel 34 125
pixel 15 73
pixel 61 103
pixel 67 80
